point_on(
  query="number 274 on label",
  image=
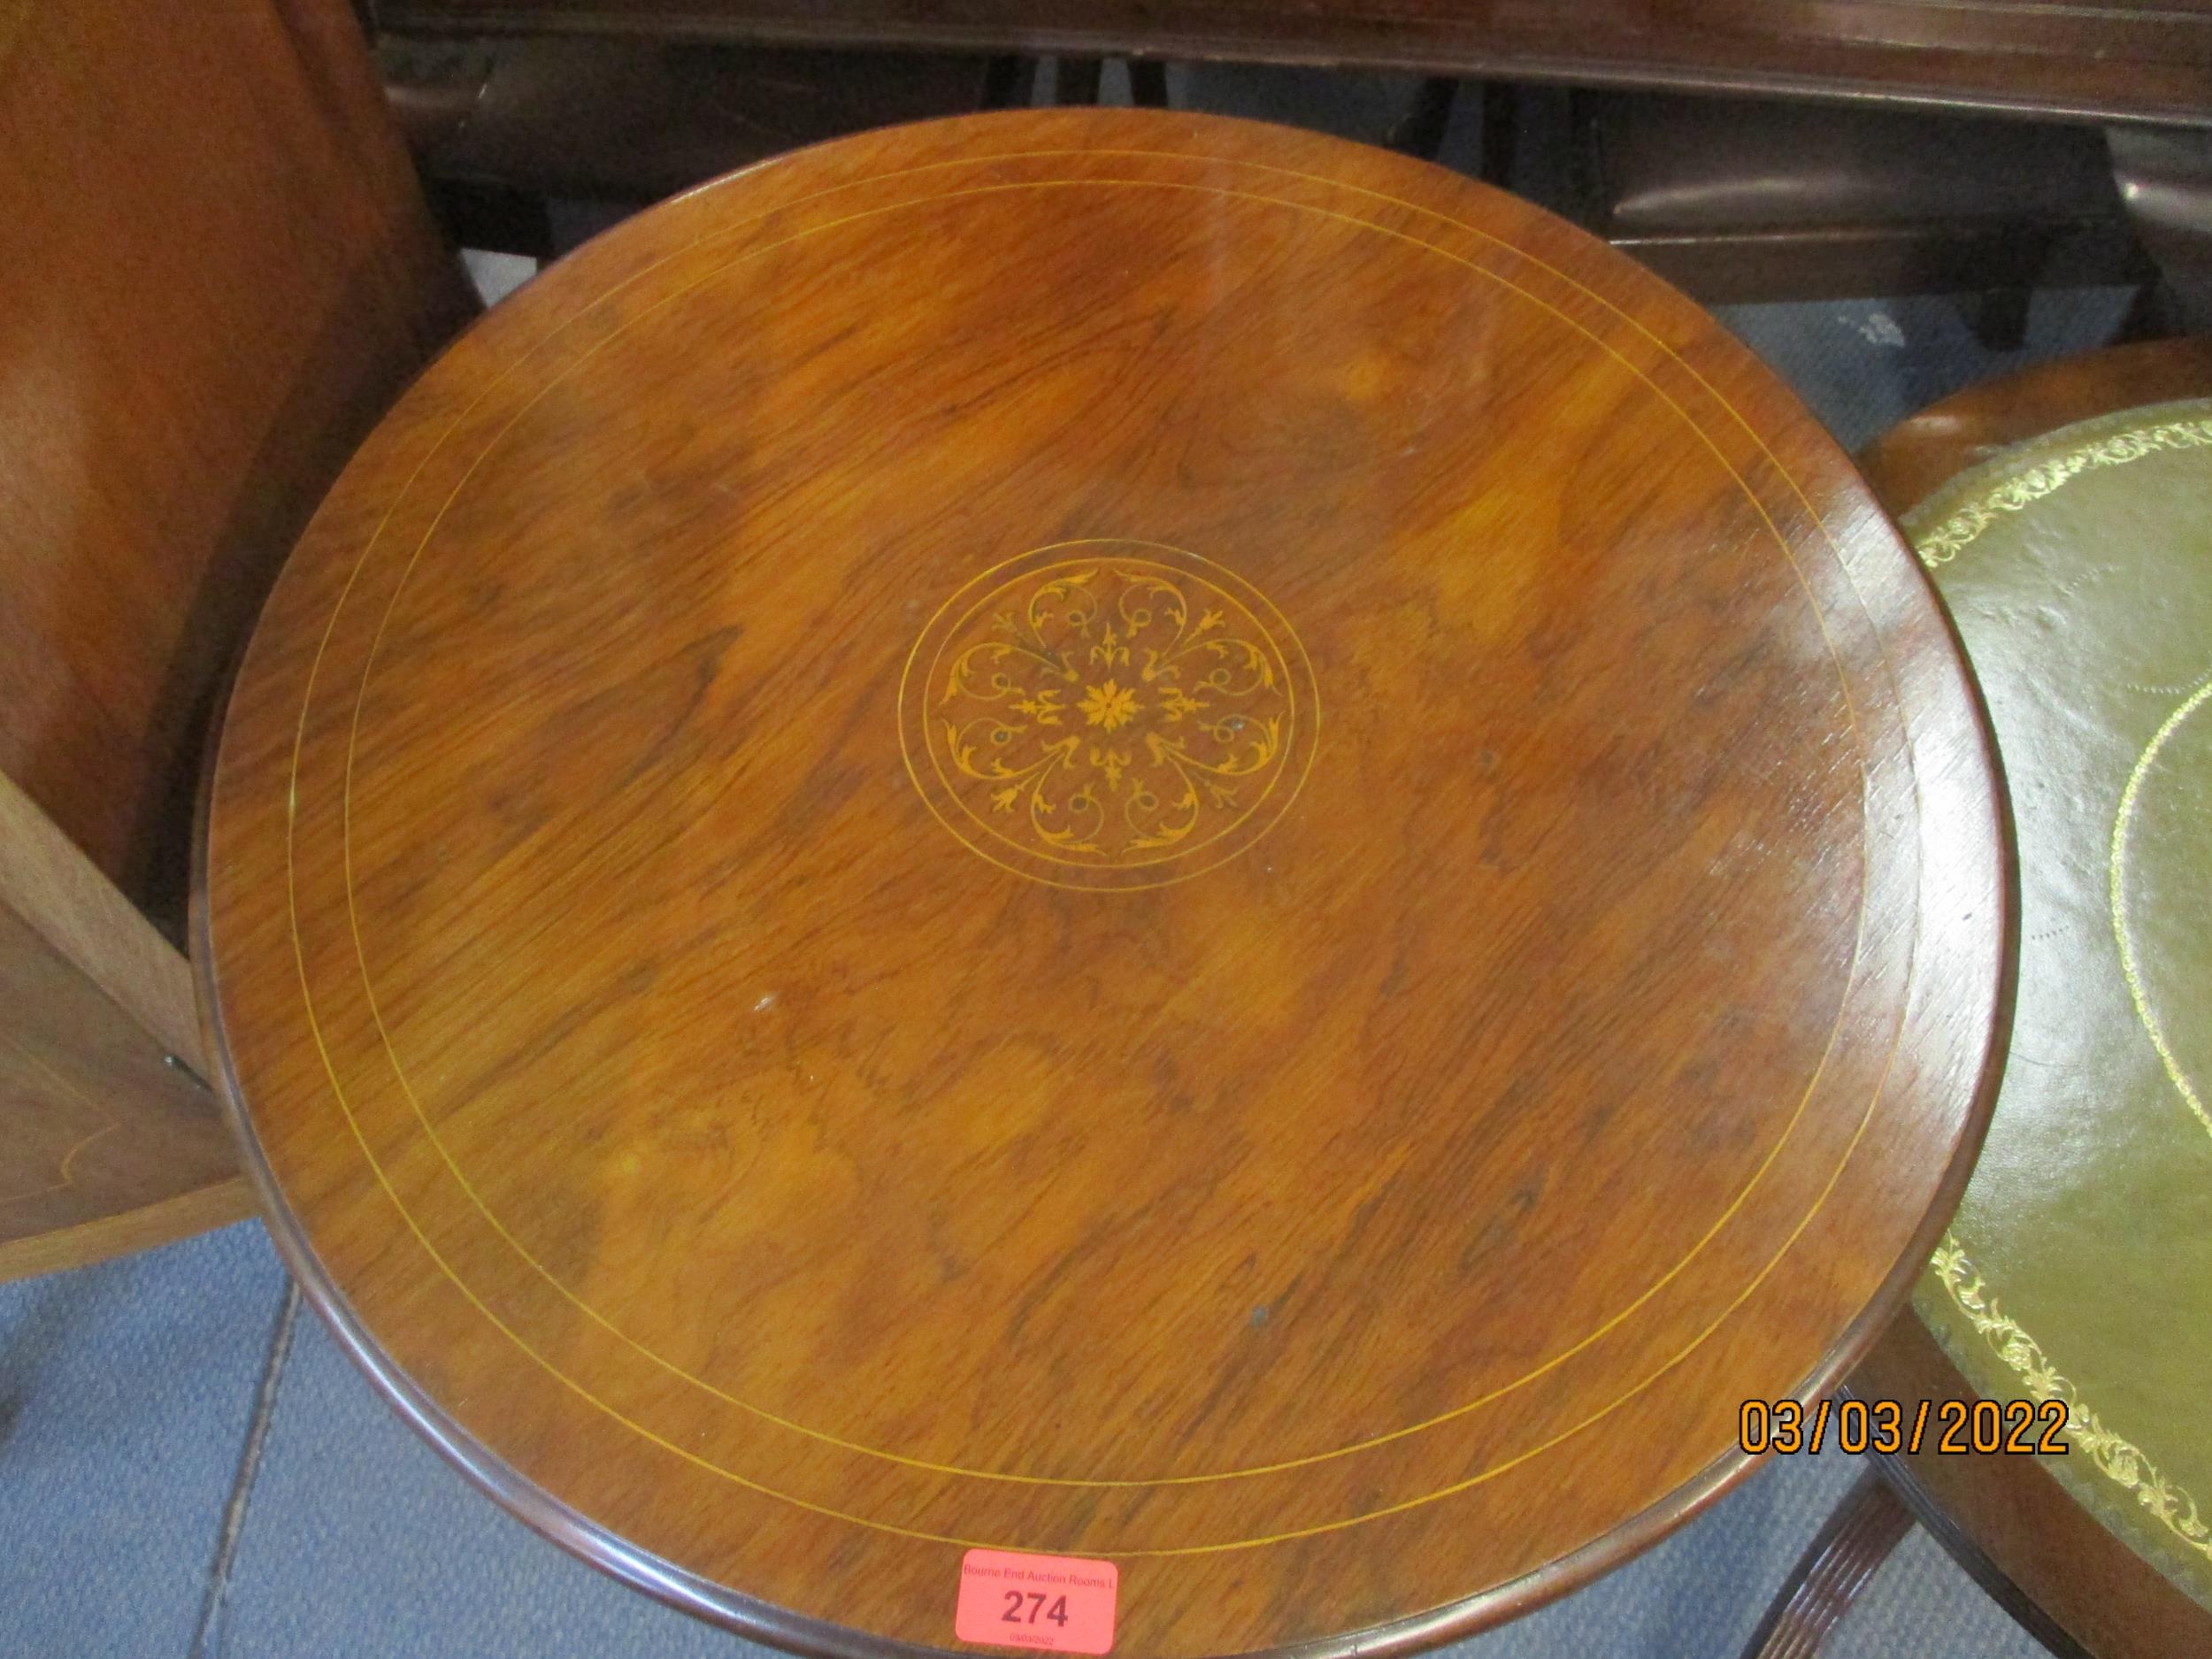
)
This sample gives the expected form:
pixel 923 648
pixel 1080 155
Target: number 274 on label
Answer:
pixel 1054 1603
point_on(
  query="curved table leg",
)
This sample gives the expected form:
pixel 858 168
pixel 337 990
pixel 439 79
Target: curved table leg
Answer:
pixel 1834 1568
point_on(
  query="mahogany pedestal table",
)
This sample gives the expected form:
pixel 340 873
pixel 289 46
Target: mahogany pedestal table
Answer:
pixel 1109 837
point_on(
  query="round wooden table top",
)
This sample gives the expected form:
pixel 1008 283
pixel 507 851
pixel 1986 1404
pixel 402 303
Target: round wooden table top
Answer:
pixel 1113 836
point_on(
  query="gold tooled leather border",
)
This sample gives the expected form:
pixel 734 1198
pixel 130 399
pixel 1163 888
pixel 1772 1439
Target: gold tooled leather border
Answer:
pixel 2117 1458
pixel 2114 1456
pixel 1948 539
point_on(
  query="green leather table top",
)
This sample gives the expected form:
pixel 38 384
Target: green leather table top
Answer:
pixel 2079 1266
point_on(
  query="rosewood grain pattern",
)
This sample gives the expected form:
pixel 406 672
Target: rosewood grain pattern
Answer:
pixel 642 955
pixel 2124 58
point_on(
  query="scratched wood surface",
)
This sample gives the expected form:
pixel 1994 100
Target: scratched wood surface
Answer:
pixel 1112 835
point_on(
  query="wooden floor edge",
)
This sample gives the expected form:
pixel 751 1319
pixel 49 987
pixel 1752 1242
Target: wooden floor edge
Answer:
pixel 163 1222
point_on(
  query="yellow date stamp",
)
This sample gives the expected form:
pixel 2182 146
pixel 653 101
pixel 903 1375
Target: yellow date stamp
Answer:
pixel 1951 1428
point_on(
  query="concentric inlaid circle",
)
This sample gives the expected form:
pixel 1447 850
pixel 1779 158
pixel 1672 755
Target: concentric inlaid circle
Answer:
pixel 1108 714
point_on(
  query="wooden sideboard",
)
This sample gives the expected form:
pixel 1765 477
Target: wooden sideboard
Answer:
pixel 2101 59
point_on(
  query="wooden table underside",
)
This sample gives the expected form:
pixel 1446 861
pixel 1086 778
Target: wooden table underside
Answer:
pixel 1500 968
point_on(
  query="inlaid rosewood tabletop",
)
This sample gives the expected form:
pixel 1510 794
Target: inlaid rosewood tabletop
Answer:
pixel 1109 836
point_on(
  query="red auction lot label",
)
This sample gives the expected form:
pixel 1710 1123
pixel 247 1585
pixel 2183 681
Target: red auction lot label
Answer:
pixel 1049 1602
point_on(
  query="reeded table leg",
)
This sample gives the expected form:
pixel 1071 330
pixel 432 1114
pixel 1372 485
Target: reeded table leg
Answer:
pixel 1834 1568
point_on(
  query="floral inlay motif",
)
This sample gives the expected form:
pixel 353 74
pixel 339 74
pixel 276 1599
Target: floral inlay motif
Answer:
pixel 1110 711
pixel 1109 706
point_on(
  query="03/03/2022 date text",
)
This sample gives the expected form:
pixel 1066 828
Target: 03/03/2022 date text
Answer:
pixel 1960 1426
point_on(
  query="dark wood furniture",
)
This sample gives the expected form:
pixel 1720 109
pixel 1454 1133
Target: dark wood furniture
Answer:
pixel 217 272
pixel 2144 67
pixel 1113 834
pixel 1752 199
pixel 2122 59
pixel 2082 1581
pixel 2165 174
pixel 626 120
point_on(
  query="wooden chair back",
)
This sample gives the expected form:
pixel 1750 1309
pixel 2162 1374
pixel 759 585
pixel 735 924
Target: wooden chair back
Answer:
pixel 217 271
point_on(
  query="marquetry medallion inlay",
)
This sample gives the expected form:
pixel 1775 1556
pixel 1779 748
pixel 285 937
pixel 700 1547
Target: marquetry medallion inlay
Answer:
pixel 1108 714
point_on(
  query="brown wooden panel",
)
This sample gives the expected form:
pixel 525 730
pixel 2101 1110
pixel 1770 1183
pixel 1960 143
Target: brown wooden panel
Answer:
pixel 104 1146
pixel 217 271
pixel 54 890
pixel 2103 58
pixel 1112 834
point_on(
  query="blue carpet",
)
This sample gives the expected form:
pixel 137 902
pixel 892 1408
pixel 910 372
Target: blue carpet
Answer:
pixel 125 1391
pixel 363 1543
pixel 1922 1602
